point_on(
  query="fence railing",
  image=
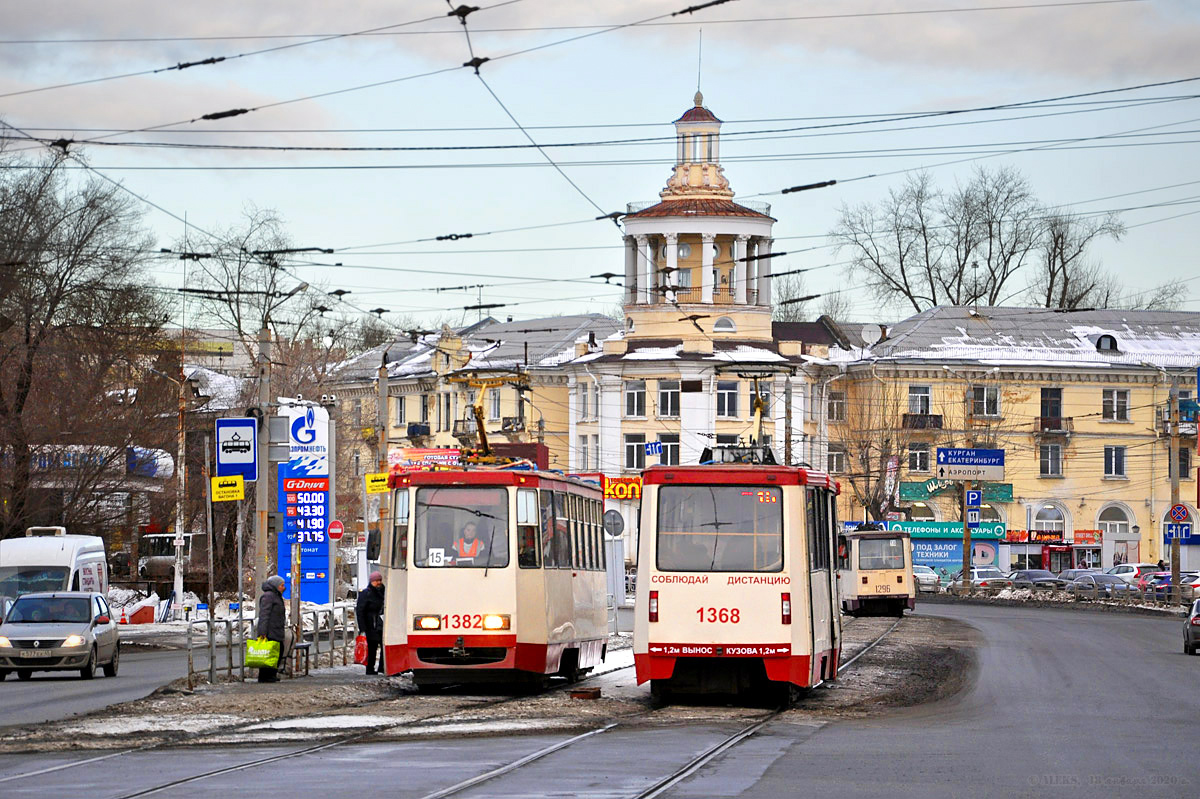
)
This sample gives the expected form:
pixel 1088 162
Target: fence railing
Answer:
pixel 326 633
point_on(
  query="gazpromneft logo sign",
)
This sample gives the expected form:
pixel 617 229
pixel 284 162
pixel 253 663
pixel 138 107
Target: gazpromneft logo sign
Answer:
pixel 306 484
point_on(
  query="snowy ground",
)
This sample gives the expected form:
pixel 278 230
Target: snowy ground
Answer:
pixel 913 664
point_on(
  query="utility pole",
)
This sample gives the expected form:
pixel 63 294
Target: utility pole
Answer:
pixel 181 497
pixel 787 420
pixel 1173 462
pixel 966 585
pixel 381 452
pixel 261 488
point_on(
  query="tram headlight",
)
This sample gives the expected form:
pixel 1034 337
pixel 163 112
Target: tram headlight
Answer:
pixel 496 621
pixel 427 622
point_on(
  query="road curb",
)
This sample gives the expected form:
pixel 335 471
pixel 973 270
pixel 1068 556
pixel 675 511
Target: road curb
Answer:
pixel 1081 607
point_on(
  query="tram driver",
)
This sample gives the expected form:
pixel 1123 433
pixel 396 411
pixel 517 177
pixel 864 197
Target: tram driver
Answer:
pixel 468 547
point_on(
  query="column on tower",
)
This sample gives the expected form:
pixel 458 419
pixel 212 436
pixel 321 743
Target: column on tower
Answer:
pixel 706 267
pixel 739 269
pixel 672 264
pixel 644 267
pixel 764 273
pixel 752 270
pixel 631 281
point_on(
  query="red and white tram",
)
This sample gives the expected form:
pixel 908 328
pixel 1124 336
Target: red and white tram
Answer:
pixel 736 590
pixel 494 575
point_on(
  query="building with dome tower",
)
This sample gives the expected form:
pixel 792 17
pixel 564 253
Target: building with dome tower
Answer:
pixel 697 335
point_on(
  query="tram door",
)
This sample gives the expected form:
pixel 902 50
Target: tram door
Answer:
pixel 821 592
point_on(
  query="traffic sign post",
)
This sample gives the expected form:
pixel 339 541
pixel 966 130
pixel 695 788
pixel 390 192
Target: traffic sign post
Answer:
pixel 336 530
pixel 1179 513
pixel 1180 530
pixel 970 464
pixel 376 483
pixel 228 489
pixel 237 448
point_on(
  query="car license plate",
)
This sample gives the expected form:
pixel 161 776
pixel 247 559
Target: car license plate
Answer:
pixel 35 653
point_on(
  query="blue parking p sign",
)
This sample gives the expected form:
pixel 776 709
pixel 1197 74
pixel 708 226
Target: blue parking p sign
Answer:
pixel 237 447
pixel 974 498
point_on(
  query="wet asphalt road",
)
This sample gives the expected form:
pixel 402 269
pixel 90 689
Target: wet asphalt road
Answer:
pixel 1064 704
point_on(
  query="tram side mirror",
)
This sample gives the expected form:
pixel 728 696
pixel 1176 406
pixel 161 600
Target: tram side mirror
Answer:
pixel 373 542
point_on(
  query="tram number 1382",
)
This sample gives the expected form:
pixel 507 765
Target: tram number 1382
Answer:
pixel 719 615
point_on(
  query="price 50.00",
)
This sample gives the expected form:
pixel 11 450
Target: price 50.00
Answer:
pixel 719 615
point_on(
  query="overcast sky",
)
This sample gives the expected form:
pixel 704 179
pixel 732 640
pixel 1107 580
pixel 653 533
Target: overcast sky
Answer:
pixel 766 65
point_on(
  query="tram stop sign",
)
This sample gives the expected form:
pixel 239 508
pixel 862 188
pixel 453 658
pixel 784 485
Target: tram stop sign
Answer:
pixel 336 530
pixel 614 523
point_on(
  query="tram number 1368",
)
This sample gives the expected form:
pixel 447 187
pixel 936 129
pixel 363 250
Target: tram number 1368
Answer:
pixel 719 615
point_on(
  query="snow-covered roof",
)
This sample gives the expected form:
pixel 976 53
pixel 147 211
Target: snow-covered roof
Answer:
pixel 549 341
pixel 1042 337
pixel 224 391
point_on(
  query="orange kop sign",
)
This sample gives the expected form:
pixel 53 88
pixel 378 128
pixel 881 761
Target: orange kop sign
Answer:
pixel 622 487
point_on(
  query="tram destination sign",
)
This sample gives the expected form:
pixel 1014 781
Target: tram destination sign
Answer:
pixel 970 464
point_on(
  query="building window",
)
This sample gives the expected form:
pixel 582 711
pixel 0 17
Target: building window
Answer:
pixel 494 404
pixel 595 389
pixel 724 324
pixel 1185 464
pixel 920 399
pixel 1050 517
pixel 726 440
pixel 635 398
pixel 424 400
pixel 921 512
pixel 1116 405
pixel 918 457
pixel 1114 461
pixel 635 451
pixel 447 413
pixel 727 398
pixel 1051 460
pixel 581 458
pixel 357 412
pixel 670 449
pixel 836 406
pixel 1113 521
pixel 836 460
pixel 581 399
pixel 596 452
pixel 985 400
pixel 668 398
pixel 400 403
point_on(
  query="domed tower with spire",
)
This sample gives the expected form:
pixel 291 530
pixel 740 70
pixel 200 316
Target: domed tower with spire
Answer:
pixel 695 260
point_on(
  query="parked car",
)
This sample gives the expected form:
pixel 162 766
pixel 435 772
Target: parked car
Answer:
pixel 1163 584
pixel 1147 580
pixel 1070 575
pixel 927 579
pixel 1191 630
pixel 1130 572
pixel 1039 579
pixel 1096 586
pixel 983 578
pixel 59 631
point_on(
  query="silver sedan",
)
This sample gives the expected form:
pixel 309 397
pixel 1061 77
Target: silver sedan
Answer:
pixel 927 579
pixel 60 631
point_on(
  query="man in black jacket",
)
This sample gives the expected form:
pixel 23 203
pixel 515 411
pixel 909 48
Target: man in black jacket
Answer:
pixel 369 612
pixel 272 623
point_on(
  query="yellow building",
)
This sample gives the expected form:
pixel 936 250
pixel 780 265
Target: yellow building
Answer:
pixel 1077 401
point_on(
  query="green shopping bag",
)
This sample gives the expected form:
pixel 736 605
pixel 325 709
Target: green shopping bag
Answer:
pixel 262 653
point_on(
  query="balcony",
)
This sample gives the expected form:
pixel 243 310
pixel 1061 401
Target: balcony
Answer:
pixel 922 421
pixel 418 430
pixel 465 430
pixel 1054 425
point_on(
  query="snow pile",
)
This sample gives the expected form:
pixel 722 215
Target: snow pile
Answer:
pixel 1020 594
pixel 123 597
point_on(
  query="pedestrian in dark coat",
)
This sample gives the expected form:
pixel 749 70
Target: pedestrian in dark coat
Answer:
pixel 369 612
pixel 272 622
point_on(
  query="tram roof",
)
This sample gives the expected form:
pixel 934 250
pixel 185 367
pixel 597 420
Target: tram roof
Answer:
pixel 739 474
pixel 492 477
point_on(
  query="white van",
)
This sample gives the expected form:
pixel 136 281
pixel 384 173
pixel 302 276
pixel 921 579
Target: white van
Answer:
pixel 47 559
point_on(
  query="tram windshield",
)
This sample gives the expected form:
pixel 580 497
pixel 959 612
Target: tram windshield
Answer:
pixel 461 526
pixel 881 553
pixel 720 529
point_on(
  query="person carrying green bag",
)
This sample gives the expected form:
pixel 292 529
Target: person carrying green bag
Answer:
pixel 272 626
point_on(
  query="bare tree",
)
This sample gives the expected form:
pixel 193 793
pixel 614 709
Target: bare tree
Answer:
pixel 76 309
pixel 1066 278
pixel 835 304
pixel 787 291
pixel 870 434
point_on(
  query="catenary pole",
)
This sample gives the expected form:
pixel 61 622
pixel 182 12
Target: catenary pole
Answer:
pixel 261 495
pixel 1173 469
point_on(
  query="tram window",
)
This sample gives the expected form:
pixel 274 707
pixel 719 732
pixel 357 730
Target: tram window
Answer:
pixel 399 554
pixel 461 526
pixel 547 518
pixel 590 507
pixel 881 553
pixel 720 529
pixel 528 545
pixel 817 517
pixel 562 532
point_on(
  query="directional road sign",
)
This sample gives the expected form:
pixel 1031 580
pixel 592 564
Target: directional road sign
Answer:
pixel 1181 531
pixel 653 447
pixel 970 464
pixel 237 447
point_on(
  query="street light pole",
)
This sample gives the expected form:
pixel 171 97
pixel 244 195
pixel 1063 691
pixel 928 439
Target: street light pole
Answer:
pixel 180 498
pixel 261 496
pixel 1173 470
